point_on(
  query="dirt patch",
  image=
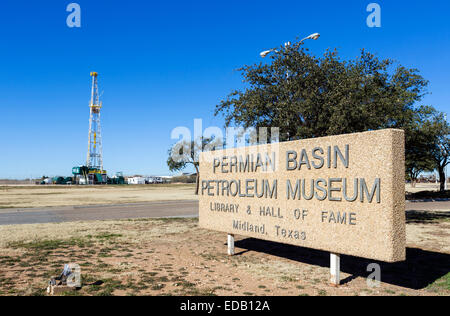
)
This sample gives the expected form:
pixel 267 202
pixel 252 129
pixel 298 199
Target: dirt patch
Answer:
pixel 47 196
pixel 175 257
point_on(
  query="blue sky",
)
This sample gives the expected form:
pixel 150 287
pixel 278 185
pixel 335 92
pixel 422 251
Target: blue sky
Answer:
pixel 163 64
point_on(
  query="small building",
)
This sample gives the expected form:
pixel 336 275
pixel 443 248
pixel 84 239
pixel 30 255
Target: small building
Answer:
pixel 153 180
pixel 136 180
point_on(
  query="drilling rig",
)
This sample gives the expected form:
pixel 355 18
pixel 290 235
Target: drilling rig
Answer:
pixel 92 172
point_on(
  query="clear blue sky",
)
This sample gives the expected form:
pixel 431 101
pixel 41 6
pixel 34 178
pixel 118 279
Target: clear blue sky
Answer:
pixel 164 63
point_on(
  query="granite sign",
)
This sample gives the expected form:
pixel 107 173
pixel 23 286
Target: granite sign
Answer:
pixel 344 194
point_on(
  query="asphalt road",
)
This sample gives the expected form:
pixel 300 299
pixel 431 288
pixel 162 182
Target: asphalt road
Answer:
pixel 135 211
pixel 99 212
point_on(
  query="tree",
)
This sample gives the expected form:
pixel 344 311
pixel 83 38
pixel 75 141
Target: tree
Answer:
pixel 186 153
pixel 438 131
pixel 306 96
pixel 419 144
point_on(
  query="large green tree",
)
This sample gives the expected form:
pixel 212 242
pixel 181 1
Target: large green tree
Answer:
pixel 438 130
pixel 308 96
pixel 420 143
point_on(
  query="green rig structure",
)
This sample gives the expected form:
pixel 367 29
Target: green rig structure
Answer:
pixel 90 176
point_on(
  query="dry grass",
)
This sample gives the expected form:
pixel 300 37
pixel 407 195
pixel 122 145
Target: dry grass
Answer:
pixel 423 187
pixel 175 257
pixel 46 196
pixel 127 231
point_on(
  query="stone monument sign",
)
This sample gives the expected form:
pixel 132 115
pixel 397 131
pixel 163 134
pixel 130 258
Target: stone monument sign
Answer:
pixel 343 194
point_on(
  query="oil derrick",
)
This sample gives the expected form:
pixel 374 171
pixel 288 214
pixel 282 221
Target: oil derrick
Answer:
pixel 92 172
pixel 95 154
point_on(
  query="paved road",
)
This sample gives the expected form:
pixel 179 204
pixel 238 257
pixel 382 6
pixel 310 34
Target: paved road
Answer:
pixel 99 212
pixel 428 206
pixel 136 211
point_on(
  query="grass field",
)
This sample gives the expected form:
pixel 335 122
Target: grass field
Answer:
pixel 423 187
pixel 42 196
pixel 175 257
